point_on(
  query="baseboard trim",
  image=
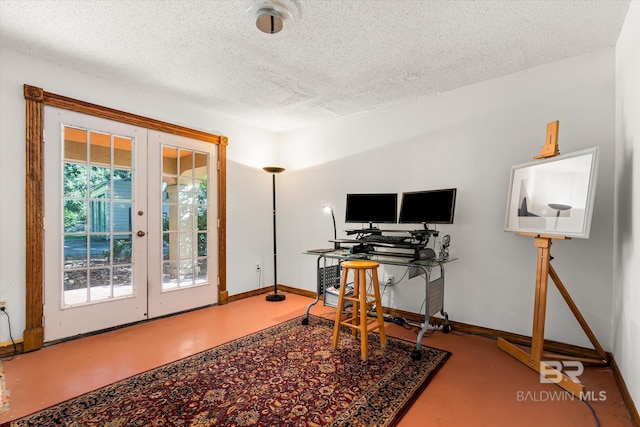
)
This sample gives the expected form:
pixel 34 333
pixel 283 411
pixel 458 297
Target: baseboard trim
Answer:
pixel 626 396
pixel 549 345
pixel 281 288
pixel 7 350
pixel 249 294
pixel 297 291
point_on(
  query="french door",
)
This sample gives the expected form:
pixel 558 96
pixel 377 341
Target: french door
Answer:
pixel 182 257
pixel 127 218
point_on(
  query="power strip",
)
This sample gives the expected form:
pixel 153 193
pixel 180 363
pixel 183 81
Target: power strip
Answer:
pixel 388 318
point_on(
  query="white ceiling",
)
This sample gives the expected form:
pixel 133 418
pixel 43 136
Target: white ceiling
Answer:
pixel 335 58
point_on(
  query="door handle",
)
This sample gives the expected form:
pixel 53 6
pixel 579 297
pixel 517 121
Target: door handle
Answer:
pixel 141 233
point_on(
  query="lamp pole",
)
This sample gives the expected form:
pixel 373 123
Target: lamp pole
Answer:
pixel 275 297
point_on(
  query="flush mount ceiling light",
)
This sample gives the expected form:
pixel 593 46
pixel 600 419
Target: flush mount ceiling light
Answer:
pixel 269 20
pixel 271 16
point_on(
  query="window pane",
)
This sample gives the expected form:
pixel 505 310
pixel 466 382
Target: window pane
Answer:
pixel 170 161
pixel 100 216
pixel 122 154
pixel 122 246
pixel 75 251
pixel 122 281
pixel 202 218
pixel 201 163
pixel 100 182
pixel 201 191
pixel 165 217
pixel 100 253
pixel 75 216
pixel 166 183
pixel 186 272
pixel 122 217
pixel 169 275
pixel 122 184
pixel 186 245
pixel 166 245
pixel 201 271
pixel 75 144
pixel 74 284
pixel 75 180
pixel 185 163
pixel 100 279
pixel 186 191
pixel 186 213
pixel 100 148
pixel 202 244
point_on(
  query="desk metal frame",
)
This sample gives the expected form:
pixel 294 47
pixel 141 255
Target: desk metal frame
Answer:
pixel 425 265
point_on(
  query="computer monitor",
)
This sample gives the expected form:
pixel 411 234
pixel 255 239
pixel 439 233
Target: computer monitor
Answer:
pixel 372 208
pixel 428 207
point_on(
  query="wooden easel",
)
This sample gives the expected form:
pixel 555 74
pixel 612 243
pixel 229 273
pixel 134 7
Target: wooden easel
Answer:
pixel 544 269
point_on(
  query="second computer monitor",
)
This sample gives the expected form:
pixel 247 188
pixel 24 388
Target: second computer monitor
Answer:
pixel 428 207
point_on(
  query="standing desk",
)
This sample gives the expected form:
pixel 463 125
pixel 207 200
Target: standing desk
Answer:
pixel 434 289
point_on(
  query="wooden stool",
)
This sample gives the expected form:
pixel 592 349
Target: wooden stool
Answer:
pixel 361 304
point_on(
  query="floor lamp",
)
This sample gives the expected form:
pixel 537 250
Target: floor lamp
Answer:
pixel 275 296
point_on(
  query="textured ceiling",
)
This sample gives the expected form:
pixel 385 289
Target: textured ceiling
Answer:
pixel 334 58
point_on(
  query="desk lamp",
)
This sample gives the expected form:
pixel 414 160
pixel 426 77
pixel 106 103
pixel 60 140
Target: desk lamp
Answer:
pixel 275 297
pixel 329 209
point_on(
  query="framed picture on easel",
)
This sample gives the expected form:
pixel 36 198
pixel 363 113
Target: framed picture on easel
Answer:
pixel 553 196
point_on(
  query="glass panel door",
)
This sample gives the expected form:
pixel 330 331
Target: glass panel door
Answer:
pixel 95 266
pixel 186 277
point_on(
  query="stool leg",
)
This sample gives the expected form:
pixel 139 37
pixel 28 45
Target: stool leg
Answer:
pixel 355 307
pixel 362 284
pixel 340 308
pixel 376 292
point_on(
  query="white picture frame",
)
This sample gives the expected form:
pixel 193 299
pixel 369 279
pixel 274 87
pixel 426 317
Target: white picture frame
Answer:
pixel 554 196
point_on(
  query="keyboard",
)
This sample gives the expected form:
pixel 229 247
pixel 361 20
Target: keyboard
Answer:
pixel 379 238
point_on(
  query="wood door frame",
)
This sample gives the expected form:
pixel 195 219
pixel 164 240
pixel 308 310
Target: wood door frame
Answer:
pixel 36 99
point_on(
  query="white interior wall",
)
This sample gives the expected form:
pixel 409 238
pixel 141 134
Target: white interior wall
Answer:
pixel 626 294
pixel 248 207
pixel 467 138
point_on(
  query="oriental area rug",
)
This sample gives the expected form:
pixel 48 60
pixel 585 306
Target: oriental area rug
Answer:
pixel 286 375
